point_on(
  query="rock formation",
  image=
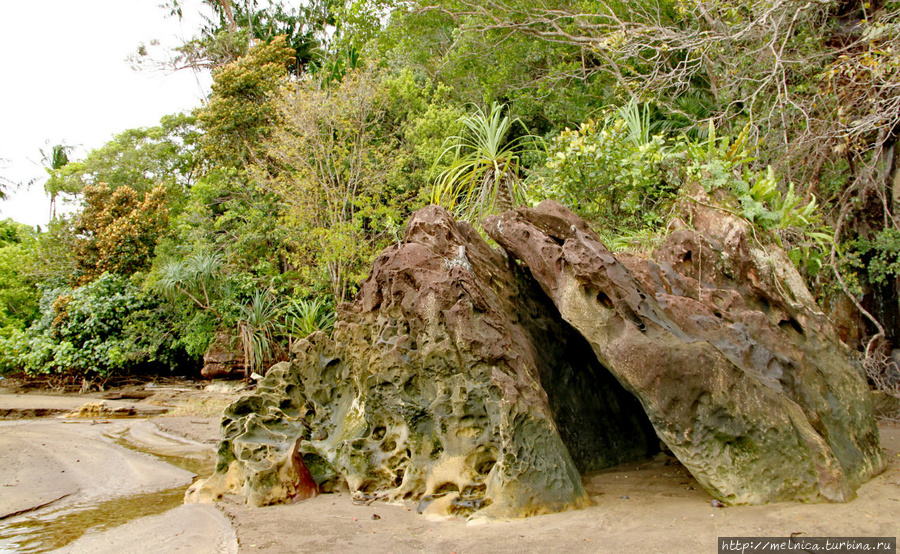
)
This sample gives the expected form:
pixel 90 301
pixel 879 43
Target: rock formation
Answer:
pixel 720 340
pixel 223 359
pixel 480 382
pixel 450 379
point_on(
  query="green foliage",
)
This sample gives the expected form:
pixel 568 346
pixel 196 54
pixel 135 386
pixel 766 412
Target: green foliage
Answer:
pixel 138 158
pixel 259 325
pixel 241 111
pixel 543 82
pixel 485 173
pixel 108 326
pixel 614 172
pixel 199 277
pixel 722 164
pixel 18 293
pixel 625 179
pixel 202 296
pixel 225 36
pixel 304 317
pixel 336 167
pixel 883 255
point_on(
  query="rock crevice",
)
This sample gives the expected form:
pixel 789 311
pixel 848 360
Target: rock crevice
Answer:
pixel 450 379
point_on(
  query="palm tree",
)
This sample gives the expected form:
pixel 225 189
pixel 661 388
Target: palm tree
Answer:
pixel 485 174
pixel 4 183
pixel 199 277
pixel 54 159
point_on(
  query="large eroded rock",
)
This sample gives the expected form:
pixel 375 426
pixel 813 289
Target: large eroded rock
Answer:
pixel 719 339
pixel 451 379
pixel 477 384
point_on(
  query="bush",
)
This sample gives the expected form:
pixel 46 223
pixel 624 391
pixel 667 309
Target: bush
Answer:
pixel 613 174
pixel 625 181
pixel 106 327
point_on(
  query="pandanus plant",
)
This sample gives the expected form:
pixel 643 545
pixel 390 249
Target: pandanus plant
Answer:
pixel 485 174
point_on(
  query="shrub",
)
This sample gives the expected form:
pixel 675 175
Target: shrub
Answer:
pixel 108 326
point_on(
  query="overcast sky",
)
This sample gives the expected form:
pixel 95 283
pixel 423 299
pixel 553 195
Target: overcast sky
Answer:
pixel 64 78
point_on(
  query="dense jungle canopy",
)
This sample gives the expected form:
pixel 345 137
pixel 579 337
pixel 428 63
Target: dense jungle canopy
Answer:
pixel 329 122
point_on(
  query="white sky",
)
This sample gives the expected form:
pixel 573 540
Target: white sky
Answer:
pixel 64 78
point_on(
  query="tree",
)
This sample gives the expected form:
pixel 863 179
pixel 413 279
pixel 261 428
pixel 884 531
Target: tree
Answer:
pixel 54 160
pixel 241 110
pixel 106 327
pixel 18 291
pixel 117 230
pixel 5 183
pixel 233 28
pixel 139 158
pixel 332 167
pixel 817 82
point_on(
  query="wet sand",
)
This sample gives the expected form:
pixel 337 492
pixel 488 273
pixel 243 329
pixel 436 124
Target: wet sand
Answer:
pixel 653 506
pixel 92 485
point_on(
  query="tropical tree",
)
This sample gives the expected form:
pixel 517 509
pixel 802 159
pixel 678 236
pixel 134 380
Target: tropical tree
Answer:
pixel 117 230
pixel 18 291
pixel 5 183
pixel 333 165
pixel 200 278
pixel 241 110
pixel 233 28
pixel 260 325
pixel 139 158
pixel 56 158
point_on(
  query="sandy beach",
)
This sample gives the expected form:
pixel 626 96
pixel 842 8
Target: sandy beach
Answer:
pixel 104 484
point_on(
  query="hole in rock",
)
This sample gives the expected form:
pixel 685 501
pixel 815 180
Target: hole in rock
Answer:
pixel 288 407
pixel 604 300
pixel 485 466
pixel 791 323
pixel 445 488
pixel 369 487
pixel 463 507
pixel 388 446
pixel 474 490
pixel 600 422
pixel 378 433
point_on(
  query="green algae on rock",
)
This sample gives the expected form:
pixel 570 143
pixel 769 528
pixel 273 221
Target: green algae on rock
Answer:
pixel 451 379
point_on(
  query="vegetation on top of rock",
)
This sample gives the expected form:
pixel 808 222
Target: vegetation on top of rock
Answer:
pixel 328 125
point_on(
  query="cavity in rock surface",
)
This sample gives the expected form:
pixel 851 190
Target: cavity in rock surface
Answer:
pixel 450 380
pixel 720 340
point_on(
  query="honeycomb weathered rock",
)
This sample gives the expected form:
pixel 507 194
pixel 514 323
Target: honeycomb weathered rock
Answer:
pixel 450 379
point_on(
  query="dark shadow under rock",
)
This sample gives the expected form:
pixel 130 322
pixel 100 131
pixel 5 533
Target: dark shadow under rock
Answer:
pixel 451 379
